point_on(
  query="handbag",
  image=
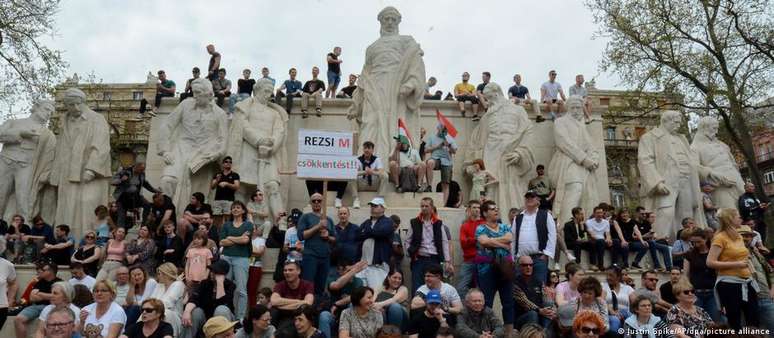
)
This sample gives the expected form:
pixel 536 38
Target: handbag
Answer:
pixel 503 265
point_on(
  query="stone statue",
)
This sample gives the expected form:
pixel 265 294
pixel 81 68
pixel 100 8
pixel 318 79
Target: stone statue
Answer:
pixel 256 142
pixel 573 165
pixel 194 137
pixel 25 161
pixel 151 79
pixel 507 155
pixel 717 165
pixel 391 86
pixel 81 170
pixel 669 177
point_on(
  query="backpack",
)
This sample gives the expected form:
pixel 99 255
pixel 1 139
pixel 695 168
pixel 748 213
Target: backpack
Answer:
pixel 408 180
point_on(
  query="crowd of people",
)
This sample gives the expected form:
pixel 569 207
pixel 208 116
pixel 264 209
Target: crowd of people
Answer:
pixel 143 270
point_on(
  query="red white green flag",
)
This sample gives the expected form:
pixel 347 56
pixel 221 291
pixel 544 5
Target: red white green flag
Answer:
pixel 451 132
pixel 403 133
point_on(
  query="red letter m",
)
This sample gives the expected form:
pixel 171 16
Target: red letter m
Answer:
pixel 344 143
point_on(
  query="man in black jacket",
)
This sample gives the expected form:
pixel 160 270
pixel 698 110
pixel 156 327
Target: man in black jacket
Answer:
pixel 129 183
pixel 751 208
pixel 208 298
pixel 528 294
pixel 427 250
pixel 575 235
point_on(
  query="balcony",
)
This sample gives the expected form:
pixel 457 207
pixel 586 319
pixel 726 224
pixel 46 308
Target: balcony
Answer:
pixel 620 143
pixel 764 157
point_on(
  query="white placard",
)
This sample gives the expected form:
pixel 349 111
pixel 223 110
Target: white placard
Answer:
pixel 320 142
pixel 327 167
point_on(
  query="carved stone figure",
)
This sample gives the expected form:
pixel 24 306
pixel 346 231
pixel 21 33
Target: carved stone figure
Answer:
pixel 81 170
pixel 669 176
pixel 25 161
pixel 574 162
pixel 507 154
pixel 194 137
pixel 391 85
pixel 717 165
pixel 257 143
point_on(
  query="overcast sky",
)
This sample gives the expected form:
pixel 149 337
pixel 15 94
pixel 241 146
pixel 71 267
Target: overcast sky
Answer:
pixel 120 41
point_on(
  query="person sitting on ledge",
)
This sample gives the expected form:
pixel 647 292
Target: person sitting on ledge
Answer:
pixel 292 88
pixel 188 92
pixel 552 96
pixel 579 90
pixel 370 175
pixel 406 166
pixel 348 91
pixel 465 91
pixel 164 88
pixel 221 87
pixel 431 82
pixel 314 89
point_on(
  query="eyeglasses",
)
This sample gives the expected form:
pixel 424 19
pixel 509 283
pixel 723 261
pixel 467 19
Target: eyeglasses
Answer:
pixel 316 201
pixel 58 325
pixel 587 330
pixel 89 237
pixel 688 292
pixel 494 209
pixel 148 310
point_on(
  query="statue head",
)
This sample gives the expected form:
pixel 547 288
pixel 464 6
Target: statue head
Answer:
pixel 671 121
pixel 493 92
pixel 73 99
pixel 202 91
pixel 389 17
pixel 575 107
pixel 708 126
pixel 262 90
pixel 42 110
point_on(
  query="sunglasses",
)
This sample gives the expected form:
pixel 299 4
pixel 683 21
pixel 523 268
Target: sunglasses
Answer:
pixel 89 237
pixel 316 201
pixel 688 292
pixel 494 209
pixel 587 330
pixel 148 310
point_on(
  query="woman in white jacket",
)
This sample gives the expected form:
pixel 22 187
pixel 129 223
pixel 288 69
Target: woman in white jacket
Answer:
pixel 171 291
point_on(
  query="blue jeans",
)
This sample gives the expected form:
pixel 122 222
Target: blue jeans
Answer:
pixel 619 251
pixel 598 253
pixel 466 277
pixel 705 299
pixel 491 282
pixel 766 312
pixel 333 79
pixel 397 315
pixel 531 317
pixel 238 274
pixel 233 99
pixel 325 322
pixel 616 322
pixel 418 270
pixel 540 268
pixel 653 248
pixel 315 269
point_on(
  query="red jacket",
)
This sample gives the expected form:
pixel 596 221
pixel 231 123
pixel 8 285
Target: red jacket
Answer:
pixel 468 239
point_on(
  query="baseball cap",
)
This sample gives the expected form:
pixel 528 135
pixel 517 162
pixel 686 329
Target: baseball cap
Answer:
pixel 530 194
pixel 217 325
pixel 377 201
pixel 433 297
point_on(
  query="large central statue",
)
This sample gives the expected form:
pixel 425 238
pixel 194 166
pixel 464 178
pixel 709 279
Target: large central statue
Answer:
pixel 391 85
pixel 81 170
pixel 25 161
pixel 257 143
pixel 669 176
pixel 574 162
pixel 717 164
pixel 507 154
pixel 194 137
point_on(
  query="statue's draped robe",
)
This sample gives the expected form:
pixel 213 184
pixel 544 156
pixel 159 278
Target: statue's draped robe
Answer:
pixel 573 145
pixel 391 61
pixel 715 157
pixel 508 130
pixel 84 144
pixel 191 136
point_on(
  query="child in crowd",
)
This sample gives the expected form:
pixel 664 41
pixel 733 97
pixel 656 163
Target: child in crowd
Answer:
pixel 258 213
pixel 198 258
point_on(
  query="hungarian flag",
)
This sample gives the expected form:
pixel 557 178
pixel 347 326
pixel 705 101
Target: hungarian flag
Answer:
pixel 451 132
pixel 403 133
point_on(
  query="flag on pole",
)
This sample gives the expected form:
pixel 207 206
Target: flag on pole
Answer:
pixel 403 133
pixel 451 132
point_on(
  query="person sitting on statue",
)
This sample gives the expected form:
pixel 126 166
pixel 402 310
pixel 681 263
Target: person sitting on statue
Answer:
pixel 579 90
pixel 552 96
pixel 406 167
pixel 221 87
pixel 464 92
pixel 313 88
pixel 292 88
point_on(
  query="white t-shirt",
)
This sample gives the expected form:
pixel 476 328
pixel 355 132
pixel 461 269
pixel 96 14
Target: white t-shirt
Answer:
pixel 622 296
pixel 114 315
pixel 258 242
pixel 150 288
pixel 87 281
pixel 552 90
pixel 449 294
pixel 409 158
pixel 596 229
pixel 46 310
pixel 7 273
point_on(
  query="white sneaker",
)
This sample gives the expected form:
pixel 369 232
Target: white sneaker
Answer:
pixel 570 256
pixel 557 267
pixel 337 203
pixel 356 203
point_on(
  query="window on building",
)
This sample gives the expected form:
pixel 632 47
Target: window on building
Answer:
pixel 137 96
pixel 610 132
pixel 617 198
pixel 106 96
pixel 768 177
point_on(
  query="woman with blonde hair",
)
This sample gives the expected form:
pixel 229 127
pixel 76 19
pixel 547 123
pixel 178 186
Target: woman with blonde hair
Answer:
pixel 170 290
pixel 734 286
pixel 116 255
pixel 62 294
pixel 103 318
pixel 685 317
